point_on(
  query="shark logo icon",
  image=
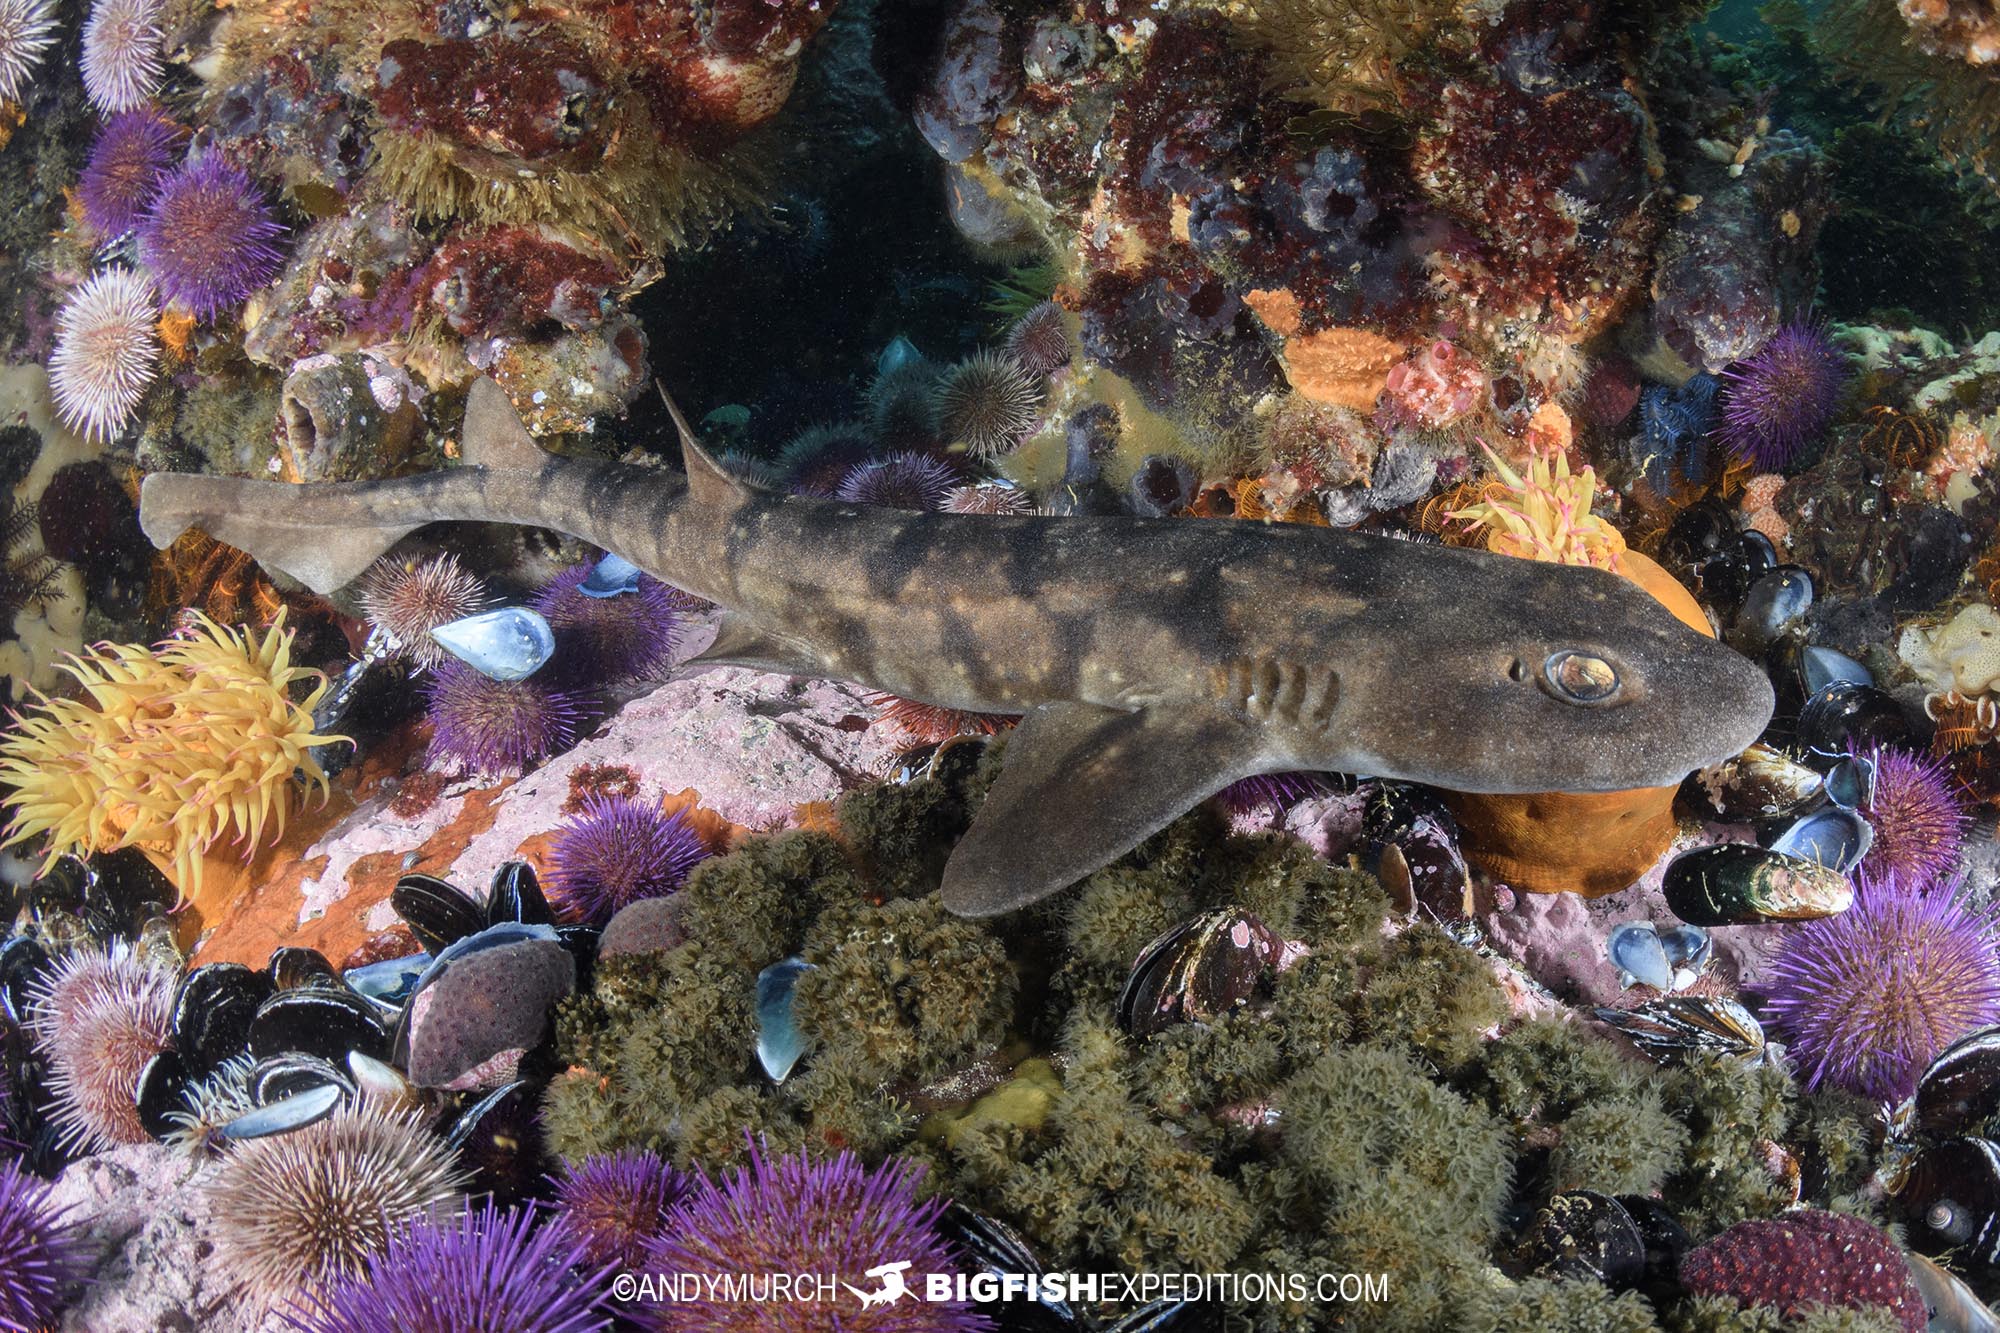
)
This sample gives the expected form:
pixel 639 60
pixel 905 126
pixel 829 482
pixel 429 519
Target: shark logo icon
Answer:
pixel 893 1287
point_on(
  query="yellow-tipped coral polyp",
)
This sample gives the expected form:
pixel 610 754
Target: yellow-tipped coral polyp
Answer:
pixel 1545 515
pixel 174 747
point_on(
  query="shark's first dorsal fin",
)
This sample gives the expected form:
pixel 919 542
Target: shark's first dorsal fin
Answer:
pixel 492 434
pixel 708 483
pixel 1082 784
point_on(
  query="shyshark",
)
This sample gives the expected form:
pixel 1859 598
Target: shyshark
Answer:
pixel 1152 661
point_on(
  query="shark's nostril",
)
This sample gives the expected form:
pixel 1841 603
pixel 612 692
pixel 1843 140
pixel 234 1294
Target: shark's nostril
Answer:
pixel 1517 670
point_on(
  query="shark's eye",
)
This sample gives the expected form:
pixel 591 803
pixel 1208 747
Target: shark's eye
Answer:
pixel 1579 677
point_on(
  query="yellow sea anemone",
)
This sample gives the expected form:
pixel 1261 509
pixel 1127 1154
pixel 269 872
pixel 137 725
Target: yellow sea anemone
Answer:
pixel 177 745
pixel 1544 516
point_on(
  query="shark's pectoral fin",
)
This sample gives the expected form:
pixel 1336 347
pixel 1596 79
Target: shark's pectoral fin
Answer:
pixel 744 642
pixel 1080 786
pixel 256 516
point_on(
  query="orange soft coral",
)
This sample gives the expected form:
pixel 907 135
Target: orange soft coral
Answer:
pixel 176 746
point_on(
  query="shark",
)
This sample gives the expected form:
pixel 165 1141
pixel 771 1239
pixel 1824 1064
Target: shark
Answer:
pixel 1152 662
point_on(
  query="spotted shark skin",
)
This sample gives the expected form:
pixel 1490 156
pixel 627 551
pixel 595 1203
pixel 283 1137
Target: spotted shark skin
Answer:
pixel 1153 661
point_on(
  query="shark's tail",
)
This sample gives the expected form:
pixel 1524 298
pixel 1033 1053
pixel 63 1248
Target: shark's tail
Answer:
pixel 263 518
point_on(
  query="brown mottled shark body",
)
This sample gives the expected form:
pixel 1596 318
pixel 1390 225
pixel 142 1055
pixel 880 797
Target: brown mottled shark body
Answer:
pixel 1154 661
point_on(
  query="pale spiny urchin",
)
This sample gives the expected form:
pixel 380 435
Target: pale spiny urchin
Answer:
pixel 26 29
pixel 107 351
pixel 212 1103
pixel 299 1209
pixel 1039 339
pixel 988 403
pixel 121 53
pixel 407 599
pixel 988 498
pixel 98 1018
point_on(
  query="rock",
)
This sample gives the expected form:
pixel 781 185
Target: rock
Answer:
pixel 144 1206
pixel 643 927
pixel 1559 938
pixel 487 1004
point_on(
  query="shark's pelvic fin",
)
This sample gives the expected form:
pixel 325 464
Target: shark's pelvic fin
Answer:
pixel 708 483
pixel 492 435
pixel 1082 784
pixel 255 516
pixel 743 642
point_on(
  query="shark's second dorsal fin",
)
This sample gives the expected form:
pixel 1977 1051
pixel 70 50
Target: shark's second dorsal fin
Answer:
pixel 708 483
pixel 1080 785
pixel 492 434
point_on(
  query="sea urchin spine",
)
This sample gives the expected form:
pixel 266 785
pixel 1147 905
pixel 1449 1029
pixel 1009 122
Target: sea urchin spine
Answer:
pixel 207 238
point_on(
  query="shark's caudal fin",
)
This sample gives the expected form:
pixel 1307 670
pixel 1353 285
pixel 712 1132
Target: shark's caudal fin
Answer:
pixel 263 518
pixel 1081 785
pixel 258 517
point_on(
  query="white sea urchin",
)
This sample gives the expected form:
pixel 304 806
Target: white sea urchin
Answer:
pixel 26 29
pixel 122 67
pixel 107 350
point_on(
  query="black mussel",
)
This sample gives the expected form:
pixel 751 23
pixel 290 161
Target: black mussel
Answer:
pixel 1834 836
pixel 1929 553
pixel 1960 1091
pixel 161 1085
pixel 1414 842
pixel 780 1041
pixel 285 1114
pixel 1677 1026
pixel 295 968
pixel 1738 884
pixel 389 983
pixel 1586 1236
pixel 1665 1238
pixel 1700 533
pixel 1847 712
pixel 290 1074
pixel 499 1138
pixel 1954 1307
pixel 327 1024
pixel 991 1246
pixel 22 961
pixel 516 895
pixel 213 1009
pixel 1757 786
pixel 437 913
pixel 1950 1199
pixel 1198 971
pixel 1775 604
pixel 582 941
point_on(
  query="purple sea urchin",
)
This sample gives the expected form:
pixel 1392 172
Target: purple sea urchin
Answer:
pixel 1866 999
pixel 43 1252
pixel 131 154
pixel 408 599
pixel 602 640
pixel 835 1219
pixel 122 65
pixel 1918 817
pixel 207 238
pixel 900 481
pixel 988 403
pixel 823 454
pixel 616 852
pixel 298 1209
pixel 494 726
pixel 26 29
pixel 614 1203
pixel 1039 340
pixel 98 1018
pixel 1777 402
pixel 481 1272
pixel 107 351
pixel 1271 791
